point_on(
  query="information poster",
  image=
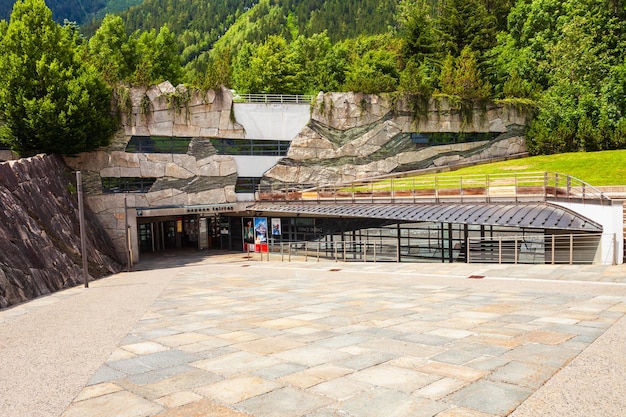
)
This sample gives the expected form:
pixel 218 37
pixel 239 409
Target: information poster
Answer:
pixel 260 229
pixel 276 228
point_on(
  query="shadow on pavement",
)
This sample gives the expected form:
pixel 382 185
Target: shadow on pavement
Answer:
pixel 176 258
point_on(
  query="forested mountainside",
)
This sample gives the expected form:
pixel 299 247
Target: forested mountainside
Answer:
pixel 72 10
pixel 343 18
pixel 198 24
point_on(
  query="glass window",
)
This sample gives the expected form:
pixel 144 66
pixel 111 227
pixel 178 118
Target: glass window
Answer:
pixel 158 144
pixel 126 185
pixel 251 147
pixel 247 184
pixel 443 138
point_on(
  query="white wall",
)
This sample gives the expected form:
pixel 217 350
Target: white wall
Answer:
pixel 611 216
pixel 272 121
pixel 254 166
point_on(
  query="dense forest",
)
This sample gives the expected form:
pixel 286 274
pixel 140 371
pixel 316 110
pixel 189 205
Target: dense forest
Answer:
pixel 72 10
pixel 564 60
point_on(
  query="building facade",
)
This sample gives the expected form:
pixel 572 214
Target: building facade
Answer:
pixel 187 166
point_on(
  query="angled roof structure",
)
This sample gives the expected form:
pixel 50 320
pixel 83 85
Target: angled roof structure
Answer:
pixel 529 215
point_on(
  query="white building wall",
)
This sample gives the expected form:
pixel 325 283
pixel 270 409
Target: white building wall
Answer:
pixel 611 216
pixel 254 166
pixel 272 121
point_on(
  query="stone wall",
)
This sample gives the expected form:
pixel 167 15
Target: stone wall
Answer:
pixel 164 110
pixel 40 234
pixel 354 136
pixel 200 176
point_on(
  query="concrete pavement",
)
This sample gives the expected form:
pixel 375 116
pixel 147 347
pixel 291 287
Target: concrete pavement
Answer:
pixel 228 335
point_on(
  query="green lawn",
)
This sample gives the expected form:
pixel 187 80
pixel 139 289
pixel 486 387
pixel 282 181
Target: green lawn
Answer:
pixel 595 168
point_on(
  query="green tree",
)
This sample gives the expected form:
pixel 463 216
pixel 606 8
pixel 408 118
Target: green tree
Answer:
pixel 419 32
pixel 4 25
pixel 461 77
pixel 418 79
pixel 375 72
pixel 50 99
pixel 219 71
pixel 614 93
pixel 165 58
pixel 158 58
pixel 314 63
pixel 265 68
pixel 570 53
pixel 467 23
pixel 500 10
pixel 112 51
pixel 373 65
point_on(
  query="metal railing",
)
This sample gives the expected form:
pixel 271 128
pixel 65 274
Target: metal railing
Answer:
pixel 273 98
pixel 519 187
pixel 344 251
pixel 547 249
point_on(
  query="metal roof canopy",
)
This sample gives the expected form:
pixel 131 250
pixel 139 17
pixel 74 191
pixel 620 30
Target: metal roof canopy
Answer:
pixel 531 216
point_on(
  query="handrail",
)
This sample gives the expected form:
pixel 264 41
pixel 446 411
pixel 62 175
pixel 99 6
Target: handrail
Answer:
pixel 573 248
pixel 546 249
pixel 273 98
pixel 518 187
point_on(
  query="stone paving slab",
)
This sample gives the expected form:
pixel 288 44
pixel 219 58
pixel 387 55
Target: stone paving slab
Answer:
pixel 231 337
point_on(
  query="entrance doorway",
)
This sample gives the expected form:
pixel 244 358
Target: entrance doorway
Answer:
pixel 178 232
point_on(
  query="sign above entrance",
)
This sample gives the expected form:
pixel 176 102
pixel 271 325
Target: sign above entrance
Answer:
pixel 179 210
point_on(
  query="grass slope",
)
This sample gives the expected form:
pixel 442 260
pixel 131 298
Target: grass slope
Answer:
pixel 595 168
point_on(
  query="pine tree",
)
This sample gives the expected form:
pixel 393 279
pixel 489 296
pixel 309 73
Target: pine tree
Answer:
pixel 461 77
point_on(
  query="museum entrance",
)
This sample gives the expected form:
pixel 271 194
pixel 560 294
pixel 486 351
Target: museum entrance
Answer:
pixel 157 234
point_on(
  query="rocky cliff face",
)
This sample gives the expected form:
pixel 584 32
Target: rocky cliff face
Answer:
pixel 40 234
pixel 353 136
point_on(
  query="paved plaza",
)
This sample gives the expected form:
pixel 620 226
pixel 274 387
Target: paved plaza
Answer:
pixel 231 336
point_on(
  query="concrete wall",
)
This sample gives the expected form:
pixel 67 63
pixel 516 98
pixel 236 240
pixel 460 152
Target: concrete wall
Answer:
pixel 611 216
pixel 275 121
pixel 254 166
